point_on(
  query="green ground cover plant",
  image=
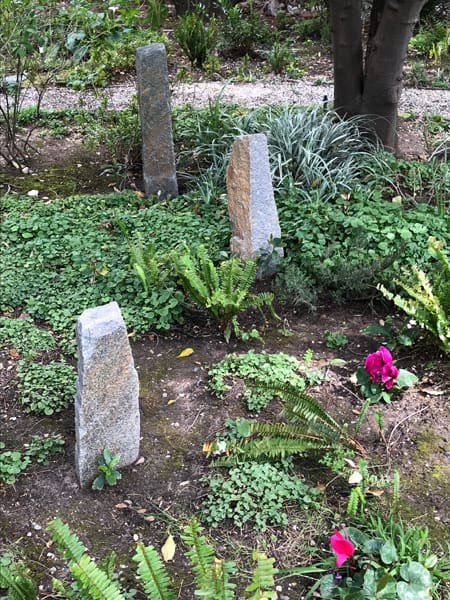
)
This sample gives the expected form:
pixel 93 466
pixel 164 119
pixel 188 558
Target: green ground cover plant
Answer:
pixel 258 369
pixel 14 462
pixel 45 389
pixel 63 257
pixel 255 493
pixel 25 337
pixel 344 249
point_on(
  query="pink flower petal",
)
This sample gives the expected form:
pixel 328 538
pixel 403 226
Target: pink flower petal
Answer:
pixel 386 356
pixel 342 547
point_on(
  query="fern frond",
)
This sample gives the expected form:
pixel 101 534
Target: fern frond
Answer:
pixel 92 581
pixel 263 583
pixel 70 544
pixel 207 269
pixel 202 558
pixel 299 407
pixel 229 272
pixel 18 585
pixel 153 573
pixel 246 279
pixel 224 587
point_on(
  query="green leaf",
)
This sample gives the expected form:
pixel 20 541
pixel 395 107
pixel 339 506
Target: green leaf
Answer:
pixel 388 553
pixel 99 482
pixel 416 573
pixel 405 379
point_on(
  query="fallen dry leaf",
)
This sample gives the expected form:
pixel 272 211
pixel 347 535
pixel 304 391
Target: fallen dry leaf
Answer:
pixel 168 549
pixel 13 354
pixel 185 352
pixel 433 392
pixel 121 505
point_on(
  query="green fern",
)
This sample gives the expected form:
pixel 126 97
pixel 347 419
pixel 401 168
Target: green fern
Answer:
pixel 309 428
pixel 263 584
pixel 153 574
pixel 93 583
pixel 211 575
pixel 151 268
pixel 17 583
pixel 222 291
pixel 72 547
pixel 428 300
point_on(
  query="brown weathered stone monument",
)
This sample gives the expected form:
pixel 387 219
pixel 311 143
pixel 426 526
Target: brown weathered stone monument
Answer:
pixel 251 202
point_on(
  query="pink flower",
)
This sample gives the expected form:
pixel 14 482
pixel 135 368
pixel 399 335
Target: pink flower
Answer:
pixel 342 547
pixel 389 374
pixel 380 368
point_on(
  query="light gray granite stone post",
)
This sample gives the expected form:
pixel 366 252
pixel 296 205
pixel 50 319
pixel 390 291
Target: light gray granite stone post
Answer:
pixel 251 202
pixel 158 156
pixel 107 399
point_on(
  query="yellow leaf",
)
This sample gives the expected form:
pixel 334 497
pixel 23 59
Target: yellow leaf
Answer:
pixel 171 402
pixel 185 352
pixel 168 549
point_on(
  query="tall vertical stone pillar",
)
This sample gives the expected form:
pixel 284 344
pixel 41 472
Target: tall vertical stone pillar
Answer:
pixel 107 400
pixel 158 156
pixel 251 202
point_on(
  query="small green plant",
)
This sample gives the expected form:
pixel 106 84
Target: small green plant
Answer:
pixel 257 369
pixel 157 13
pixel 405 334
pixel 12 463
pixel 280 57
pixel 334 339
pixel 25 337
pixel 196 38
pixel 41 447
pixel 223 291
pixel 241 33
pixel 383 559
pixel 109 475
pixel 15 578
pixel 255 492
pixel 45 389
pixel 428 301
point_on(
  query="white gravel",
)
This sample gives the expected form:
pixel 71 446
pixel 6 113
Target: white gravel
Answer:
pixel 301 92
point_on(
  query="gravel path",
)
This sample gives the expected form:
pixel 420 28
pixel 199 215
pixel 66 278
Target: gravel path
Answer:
pixel 301 92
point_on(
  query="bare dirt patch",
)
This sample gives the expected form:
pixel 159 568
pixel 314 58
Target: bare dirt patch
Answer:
pixel 179 413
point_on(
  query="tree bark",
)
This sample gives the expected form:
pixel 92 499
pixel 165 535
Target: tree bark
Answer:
pixel 383 79
pixel 345 17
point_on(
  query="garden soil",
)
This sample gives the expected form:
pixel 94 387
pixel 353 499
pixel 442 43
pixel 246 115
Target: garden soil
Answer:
pixel 164 487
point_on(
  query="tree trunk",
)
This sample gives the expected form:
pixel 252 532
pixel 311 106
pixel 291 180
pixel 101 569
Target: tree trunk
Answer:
pixel 383 78
pixel 345 17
